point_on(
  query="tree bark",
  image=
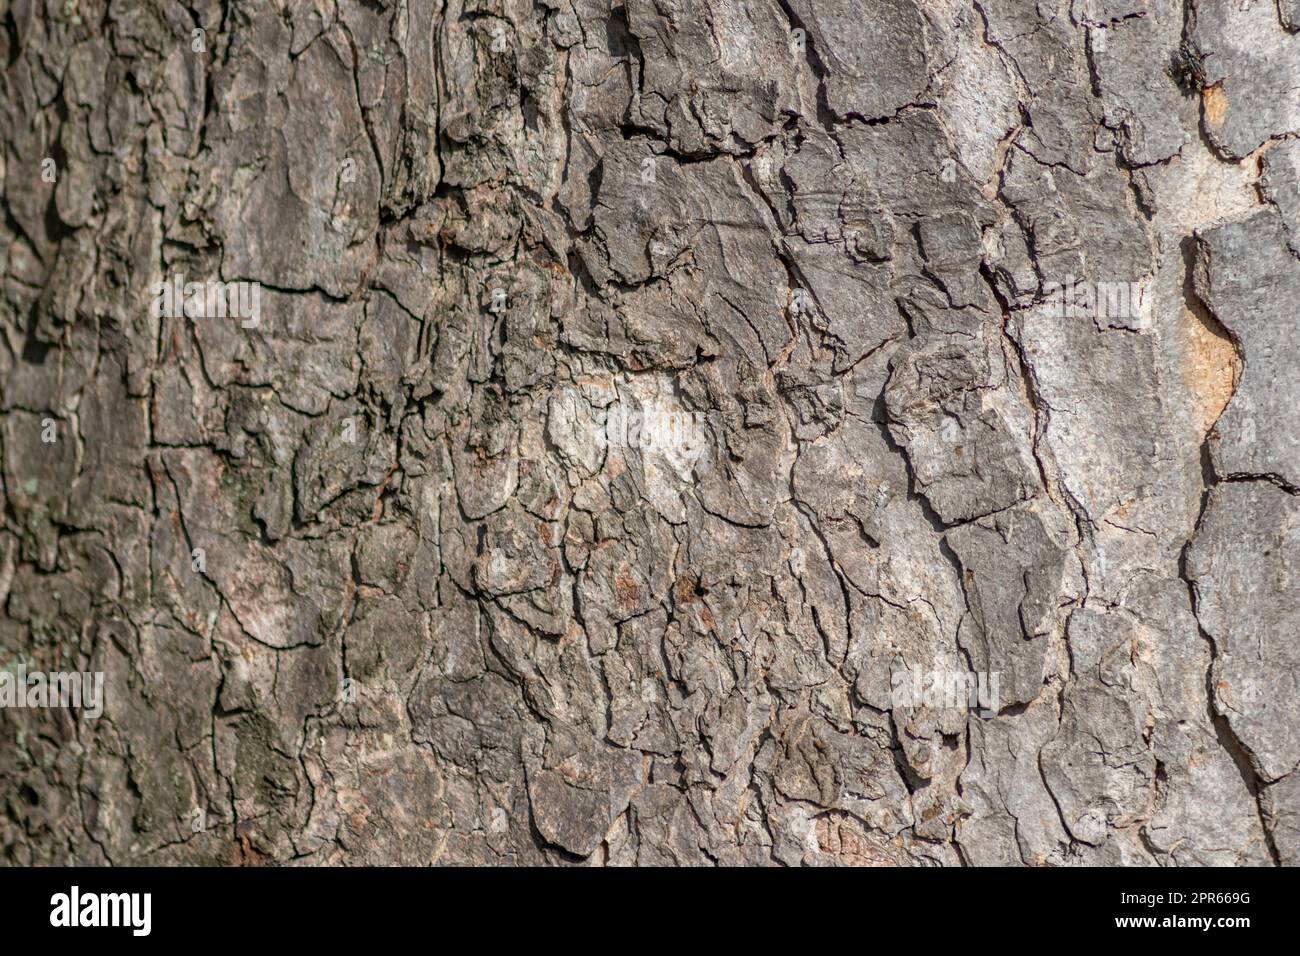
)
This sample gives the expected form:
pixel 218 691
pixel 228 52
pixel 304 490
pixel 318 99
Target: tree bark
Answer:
pixel 693 432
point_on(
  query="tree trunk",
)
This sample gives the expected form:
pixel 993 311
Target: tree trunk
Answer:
pixel 702 431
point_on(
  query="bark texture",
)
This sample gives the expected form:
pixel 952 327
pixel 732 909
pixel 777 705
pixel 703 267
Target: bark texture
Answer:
pixel 639 396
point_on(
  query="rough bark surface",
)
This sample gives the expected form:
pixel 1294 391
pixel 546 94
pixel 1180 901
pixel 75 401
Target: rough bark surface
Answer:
pixel 637 393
